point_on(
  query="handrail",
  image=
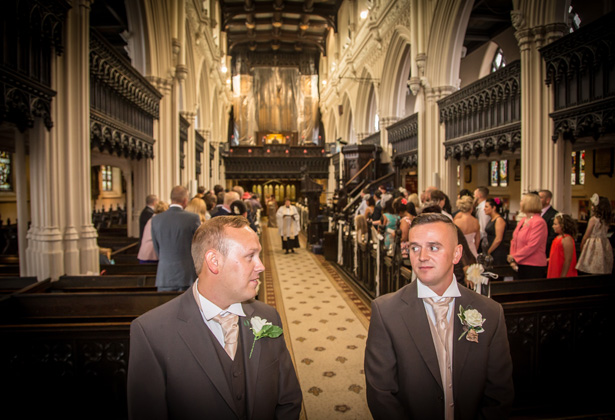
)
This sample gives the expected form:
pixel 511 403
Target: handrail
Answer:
pixel 358 173
pixel 382 178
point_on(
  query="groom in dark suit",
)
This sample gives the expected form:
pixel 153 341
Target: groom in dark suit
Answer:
pixel 196 357
pixel 422 361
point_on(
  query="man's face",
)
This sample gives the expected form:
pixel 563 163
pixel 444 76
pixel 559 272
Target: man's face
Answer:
pixel 476 194
pixel 544 200
pixel 239 271
pixel 433 253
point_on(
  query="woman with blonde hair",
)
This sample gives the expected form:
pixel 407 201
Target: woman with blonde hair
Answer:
pixel 467 223
pixel 146 251
pixel 198 206
pixel 529 241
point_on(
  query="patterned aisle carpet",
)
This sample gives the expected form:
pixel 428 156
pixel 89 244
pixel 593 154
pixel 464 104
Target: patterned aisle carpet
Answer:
pixel 325 326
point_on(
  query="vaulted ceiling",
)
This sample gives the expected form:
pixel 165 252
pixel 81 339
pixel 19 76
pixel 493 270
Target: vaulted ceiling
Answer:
pixel 271 28
pixel 488 19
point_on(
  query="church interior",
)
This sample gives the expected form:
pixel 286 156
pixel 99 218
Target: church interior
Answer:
pixel 320 102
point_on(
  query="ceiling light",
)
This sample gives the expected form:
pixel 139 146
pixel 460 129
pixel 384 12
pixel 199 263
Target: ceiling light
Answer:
pixel 363 14
pixel 224 69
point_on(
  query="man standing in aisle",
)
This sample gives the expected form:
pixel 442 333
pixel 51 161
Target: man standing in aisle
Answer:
pixel 480 197
pixel 436 350
pixel 172 233
pixel 548 213
pixel 214 352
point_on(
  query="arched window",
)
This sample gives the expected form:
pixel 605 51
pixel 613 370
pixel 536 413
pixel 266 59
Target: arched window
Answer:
pixel 498 61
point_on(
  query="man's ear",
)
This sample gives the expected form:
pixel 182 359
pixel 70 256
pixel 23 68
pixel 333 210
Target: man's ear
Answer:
pixel 212 261
pixel 458 253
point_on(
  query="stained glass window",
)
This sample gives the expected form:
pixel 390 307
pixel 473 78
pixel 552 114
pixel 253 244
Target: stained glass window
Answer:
pixel 6 181
pixel 503 173
pixel 578 168
pixel 498 173
pixel 458 175
pixel 494 173
pixel 575 20
pixel 498 61
pixel 107 177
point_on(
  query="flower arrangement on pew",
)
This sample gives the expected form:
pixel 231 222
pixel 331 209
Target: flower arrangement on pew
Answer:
pixel 478 278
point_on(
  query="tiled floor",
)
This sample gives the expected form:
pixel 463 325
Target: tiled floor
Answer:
pixel 325 326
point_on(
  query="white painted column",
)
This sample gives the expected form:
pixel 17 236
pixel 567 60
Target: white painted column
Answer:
pixel 433 169
pixel 166 149
pixel 536 126
pixel 21 193
pixel 45 253
pixel 190 150
pixel 387 149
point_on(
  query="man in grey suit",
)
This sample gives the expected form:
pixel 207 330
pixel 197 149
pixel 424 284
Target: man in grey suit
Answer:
pixel 172 233
pixel 436 350
pixel 187 363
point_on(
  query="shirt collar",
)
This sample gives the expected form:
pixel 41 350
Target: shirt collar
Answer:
pixel 210 309
pixel 542 213
pixel 176 205
pixel 426 292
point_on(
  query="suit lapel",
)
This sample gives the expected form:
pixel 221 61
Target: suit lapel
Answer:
pixel 460 347
pixel 200 341
pixel 416 321
pixel 250 363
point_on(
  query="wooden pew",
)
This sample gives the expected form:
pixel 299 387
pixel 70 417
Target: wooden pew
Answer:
pixel 126 269
pixel 557 331
pixel 524 290
pixel 10 285
pixel 97 284
pixel 66 354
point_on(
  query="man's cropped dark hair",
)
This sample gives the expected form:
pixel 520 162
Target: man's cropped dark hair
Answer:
pixel 484 191
pixel 464 192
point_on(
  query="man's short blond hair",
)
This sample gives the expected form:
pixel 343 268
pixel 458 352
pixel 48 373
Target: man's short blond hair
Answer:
pixel 211 235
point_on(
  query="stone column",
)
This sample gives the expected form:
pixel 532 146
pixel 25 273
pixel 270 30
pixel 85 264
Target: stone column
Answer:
pixel 45 251
pixel 205 163
pixel 190 159
pixel 433 169
pixel 166 133
pixel 536 102
pixel 142 176
pixel 21 195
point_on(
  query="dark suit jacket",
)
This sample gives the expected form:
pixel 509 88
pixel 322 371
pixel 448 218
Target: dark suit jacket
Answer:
pixel 174 372
pixel 221 212
pixel 401 365
pixel 146 214
pixel 172 233
pixel 548 217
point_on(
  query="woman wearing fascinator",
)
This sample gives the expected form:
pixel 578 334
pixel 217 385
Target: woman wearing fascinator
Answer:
pixel 563 255
pixel 596 251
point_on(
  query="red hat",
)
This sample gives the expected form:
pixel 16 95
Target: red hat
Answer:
pixel 246 195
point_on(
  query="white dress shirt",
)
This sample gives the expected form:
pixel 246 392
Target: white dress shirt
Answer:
pixel 425 292
pixel 483 219
pixel 210 309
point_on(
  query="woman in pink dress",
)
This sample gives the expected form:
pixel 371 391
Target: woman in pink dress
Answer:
pixel 529 240
pixel 563 256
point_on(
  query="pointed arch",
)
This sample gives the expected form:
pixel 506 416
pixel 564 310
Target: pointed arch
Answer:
pixel 395 74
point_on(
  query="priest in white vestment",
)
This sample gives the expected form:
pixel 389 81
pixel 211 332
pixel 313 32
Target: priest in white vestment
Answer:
pixel 288 226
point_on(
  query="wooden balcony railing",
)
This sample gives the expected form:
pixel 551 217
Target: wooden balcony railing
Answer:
pixel 484 116
pixel 404 137
pixel 580 70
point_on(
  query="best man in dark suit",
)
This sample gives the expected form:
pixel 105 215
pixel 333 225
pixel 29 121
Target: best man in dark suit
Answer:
pixel 548 214
pixel 172 233
pixel 181 364
pixel 415 370
pixel 147 213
